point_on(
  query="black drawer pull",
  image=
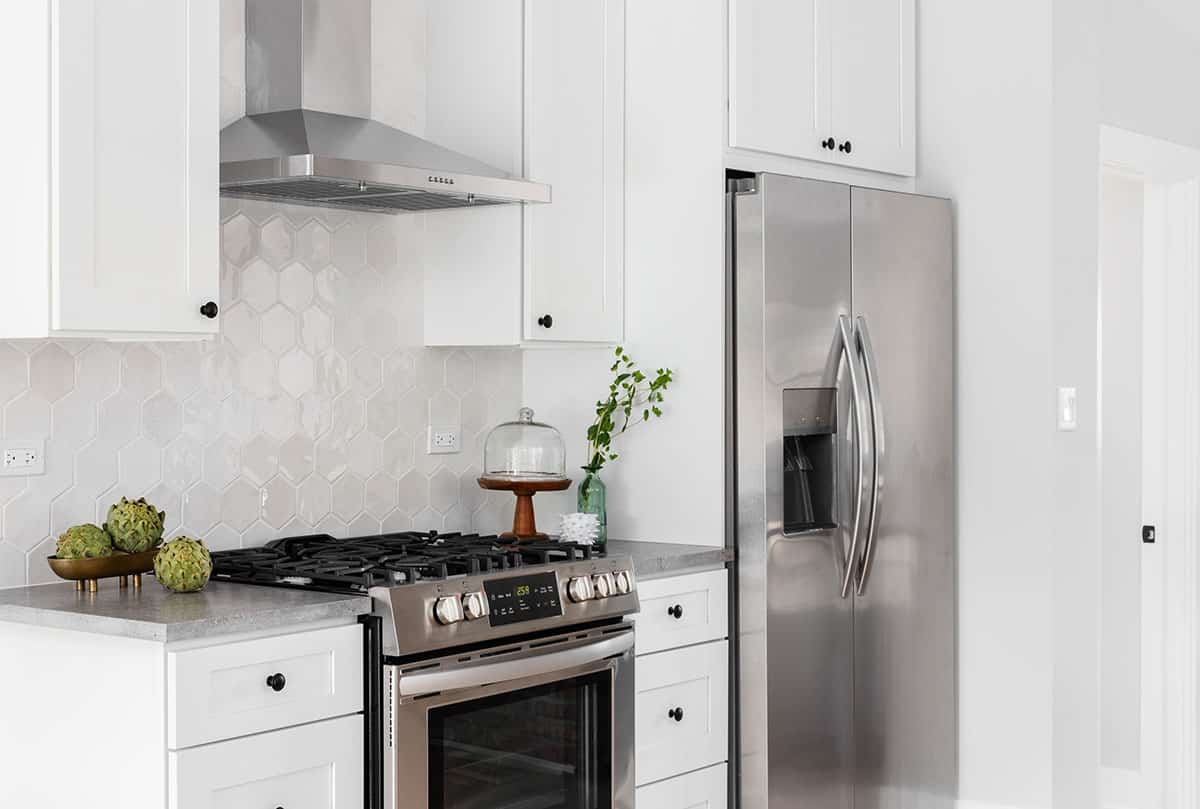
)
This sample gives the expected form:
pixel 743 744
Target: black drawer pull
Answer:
pixel 209 310
pixel 676 714
pixel 276 682
pixel 675 612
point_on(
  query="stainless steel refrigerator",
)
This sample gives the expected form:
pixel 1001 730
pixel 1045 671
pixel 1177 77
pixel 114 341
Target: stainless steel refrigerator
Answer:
pixel 842 492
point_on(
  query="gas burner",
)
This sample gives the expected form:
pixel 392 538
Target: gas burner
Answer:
pixel 321 562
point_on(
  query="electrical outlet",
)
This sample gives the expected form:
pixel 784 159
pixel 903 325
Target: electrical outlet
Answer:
pixel 22 457
pixel 444 440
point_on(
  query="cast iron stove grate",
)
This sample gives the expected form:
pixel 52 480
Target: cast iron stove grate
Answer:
pixel 322 562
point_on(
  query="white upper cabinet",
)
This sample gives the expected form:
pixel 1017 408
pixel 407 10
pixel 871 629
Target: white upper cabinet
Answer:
pixel 533 274
pixel 828 80
pixel 124 242
pixel 575 134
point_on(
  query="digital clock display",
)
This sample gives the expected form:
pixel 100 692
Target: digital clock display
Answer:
pixel 522 598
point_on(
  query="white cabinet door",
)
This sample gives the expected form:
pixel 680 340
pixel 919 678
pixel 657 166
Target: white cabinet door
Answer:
pixel 829 80
pixel 317 766
pixel 682 707
pixel 873 97
pixel 682 610
pixel 779 77
pixel 232 689
pixel 134 166
pixel 575 135
pixel 706 789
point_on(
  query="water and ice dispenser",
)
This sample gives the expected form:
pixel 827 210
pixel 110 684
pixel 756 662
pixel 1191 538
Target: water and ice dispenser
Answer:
pixel 810 459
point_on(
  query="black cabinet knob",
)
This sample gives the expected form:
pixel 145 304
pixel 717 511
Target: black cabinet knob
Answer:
pixel 545 321
pixel 209 310
pixel 828 143
pixel 276 682
pixel 676 714
pixel 846 147
pixel 675 612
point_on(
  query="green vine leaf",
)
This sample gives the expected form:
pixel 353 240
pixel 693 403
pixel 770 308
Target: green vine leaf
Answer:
pixel 631 389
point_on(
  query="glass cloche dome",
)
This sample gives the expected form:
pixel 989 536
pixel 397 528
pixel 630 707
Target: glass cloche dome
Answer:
pixel 524 450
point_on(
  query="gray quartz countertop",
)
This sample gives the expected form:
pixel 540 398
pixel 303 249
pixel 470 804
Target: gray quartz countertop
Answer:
pixel 657 560
pixel 152 613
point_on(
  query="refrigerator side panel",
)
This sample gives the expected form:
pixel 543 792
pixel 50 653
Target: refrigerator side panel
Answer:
pixel 904 624
pixel 791 282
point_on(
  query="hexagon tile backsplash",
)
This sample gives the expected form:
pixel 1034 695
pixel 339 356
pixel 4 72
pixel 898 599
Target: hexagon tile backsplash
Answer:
pixel 307 414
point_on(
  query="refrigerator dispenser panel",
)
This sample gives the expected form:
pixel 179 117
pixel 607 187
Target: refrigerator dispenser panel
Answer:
pixel 809 459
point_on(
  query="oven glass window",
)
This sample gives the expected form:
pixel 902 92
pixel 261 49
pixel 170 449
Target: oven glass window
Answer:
pixel 548 747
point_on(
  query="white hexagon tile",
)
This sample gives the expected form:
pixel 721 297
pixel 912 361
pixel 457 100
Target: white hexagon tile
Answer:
pixel 309 413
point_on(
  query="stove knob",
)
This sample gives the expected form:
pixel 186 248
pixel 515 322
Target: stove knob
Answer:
pixel 623 579
pixel 474 605
pixel 603 584
pixel 448 610
pixel 580 589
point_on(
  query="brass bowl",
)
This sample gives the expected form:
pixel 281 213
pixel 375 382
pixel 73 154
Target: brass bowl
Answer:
pixel 89 571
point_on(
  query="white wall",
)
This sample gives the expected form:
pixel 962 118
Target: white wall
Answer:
pixel 984 121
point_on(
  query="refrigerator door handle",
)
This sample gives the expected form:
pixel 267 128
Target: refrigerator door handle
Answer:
pixel 865 452
pixel 862 336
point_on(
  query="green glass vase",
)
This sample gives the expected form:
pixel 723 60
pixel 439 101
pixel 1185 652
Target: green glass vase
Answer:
pixel 593 499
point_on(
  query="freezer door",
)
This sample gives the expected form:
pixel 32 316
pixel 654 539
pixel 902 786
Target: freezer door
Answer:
pixel 791 285
pixel 904 626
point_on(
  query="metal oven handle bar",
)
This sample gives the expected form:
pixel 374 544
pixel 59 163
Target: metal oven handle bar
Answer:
pixel 474 676
pixel 863 336
pixel 849 350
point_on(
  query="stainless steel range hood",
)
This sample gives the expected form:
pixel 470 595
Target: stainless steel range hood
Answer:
pixel 307 137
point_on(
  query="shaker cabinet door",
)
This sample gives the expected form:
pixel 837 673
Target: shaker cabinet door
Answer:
pixel 872 84
pixel 316 766
pixel 703 789
pixel 779 77
pixel 575 137
pixel 682 710
pixel 134 166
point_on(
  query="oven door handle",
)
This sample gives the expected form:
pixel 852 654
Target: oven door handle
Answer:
pixel 420 683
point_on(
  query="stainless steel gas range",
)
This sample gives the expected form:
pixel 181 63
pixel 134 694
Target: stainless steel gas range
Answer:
pixel 500 676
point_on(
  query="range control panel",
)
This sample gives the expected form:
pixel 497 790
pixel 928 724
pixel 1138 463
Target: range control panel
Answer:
pixel 522 598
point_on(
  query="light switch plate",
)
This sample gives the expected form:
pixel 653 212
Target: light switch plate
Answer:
pixel 1068 409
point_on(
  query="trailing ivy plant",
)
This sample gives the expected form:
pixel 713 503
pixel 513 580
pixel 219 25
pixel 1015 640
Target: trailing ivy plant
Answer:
pixel 633 398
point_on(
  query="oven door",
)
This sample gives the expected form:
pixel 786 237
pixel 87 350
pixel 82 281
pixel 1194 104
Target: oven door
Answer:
pixel 537 724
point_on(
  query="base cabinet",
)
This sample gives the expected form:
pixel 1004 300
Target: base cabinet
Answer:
pixel 235 722
pixel 317 766
pixel 681 733
pixel 705 789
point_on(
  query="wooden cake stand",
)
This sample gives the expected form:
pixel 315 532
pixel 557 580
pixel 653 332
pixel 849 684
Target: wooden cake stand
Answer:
pixel 524 525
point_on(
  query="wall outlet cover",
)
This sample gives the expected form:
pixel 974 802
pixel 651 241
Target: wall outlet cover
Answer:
pixel 444 440
pixel 21 457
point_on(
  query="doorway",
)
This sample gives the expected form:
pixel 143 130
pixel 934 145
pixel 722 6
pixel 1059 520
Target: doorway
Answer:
pixel 1149 449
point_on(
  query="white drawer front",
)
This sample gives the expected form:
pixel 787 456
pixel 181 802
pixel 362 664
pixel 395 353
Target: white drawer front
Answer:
pixel 706 789
pixel 318 766
pixel 682 610
pixel 695 681
pixel 219 692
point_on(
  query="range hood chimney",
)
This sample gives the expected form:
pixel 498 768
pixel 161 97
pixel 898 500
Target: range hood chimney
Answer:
pixel 308 138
